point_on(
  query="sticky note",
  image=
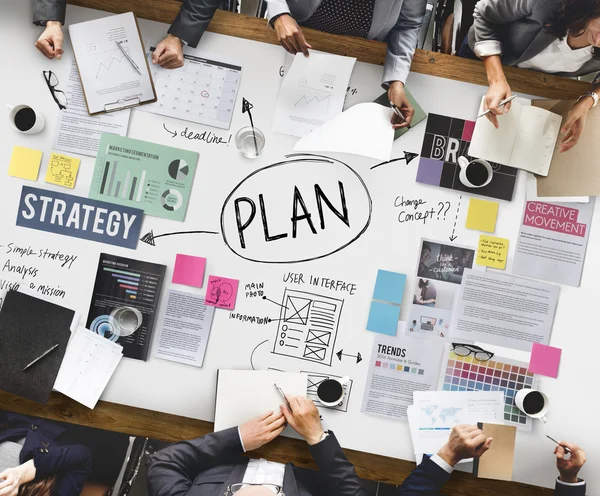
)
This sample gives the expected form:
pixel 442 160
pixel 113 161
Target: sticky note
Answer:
pixel 221 292
pixel 62 170
pixel 482 215
pixel 383 318
pixel 389 286
pixel 544 360
pixel 492 252
pixel 25 163
pixel 189 270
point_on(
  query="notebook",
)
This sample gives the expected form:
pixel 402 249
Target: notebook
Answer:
pixel 246 394
pixel 525 139
pixel 28 328
pixel 497 462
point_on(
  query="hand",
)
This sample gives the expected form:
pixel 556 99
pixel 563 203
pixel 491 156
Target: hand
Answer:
pixel 13 478
pixel 497 92
pixel 569 468
pixel 51 40
pixel 397 96
pixel 169 53
pixel 304 418
pixel 290 35
pixel 466 441
pixel 262 430
pixel 574 125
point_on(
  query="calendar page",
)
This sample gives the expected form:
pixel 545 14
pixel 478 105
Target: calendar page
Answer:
pixel 204 90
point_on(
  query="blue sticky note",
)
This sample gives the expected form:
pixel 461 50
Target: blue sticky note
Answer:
pixel 383 318
pixel 389 286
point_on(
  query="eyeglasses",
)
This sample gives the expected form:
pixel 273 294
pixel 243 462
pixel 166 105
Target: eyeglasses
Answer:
pixel 464 350
pixel 234 488
pixel 59 96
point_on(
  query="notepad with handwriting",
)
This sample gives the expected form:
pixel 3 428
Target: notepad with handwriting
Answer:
pixel 525 139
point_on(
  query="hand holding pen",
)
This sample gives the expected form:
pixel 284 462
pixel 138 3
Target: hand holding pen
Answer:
pixel 403 109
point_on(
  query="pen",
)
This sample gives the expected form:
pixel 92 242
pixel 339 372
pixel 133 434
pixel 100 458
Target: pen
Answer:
pixel 501 104
pixel 283 396
pixel 41 356
pixel 398 113
pixel 555 441
pixel 128 57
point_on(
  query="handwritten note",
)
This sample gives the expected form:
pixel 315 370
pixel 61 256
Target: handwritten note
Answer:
pixel 189 270
pixel 62 170
pixel 25 163
pixel 492 252
pixel 221 292
pixel 482 215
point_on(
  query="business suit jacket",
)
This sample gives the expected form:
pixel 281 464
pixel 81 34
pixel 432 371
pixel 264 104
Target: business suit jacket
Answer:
pixel 516 30
pixel 44 444
pixel 428 478
pixel 206 466
pixel 397 22
pixel 189 25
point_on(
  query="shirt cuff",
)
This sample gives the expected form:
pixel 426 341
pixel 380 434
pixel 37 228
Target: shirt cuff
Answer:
pixel 572 484
pixel 487 48
pixel 275 9
pixel 440 462
pixel 241 440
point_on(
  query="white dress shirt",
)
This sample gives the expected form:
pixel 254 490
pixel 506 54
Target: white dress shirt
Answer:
pixel 558 57
pixel 261 471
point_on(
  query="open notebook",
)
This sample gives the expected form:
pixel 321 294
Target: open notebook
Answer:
pixel 525 139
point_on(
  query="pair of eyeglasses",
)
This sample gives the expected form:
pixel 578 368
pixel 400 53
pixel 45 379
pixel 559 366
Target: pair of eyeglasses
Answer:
pixel 464 350
pixel 234 488
pixel 59 96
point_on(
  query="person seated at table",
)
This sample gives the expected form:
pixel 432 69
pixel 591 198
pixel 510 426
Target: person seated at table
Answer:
pixel 467 441
pixel 397 22
pixel 560 37
pixel 187 29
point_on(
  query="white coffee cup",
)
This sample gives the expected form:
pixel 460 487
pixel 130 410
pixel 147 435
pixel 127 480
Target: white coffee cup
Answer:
pixel 37 126
pixel 342 382
pixel 520 402
pixel 464 164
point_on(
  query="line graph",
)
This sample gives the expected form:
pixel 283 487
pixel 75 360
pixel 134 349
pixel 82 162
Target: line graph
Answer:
pixel 314 98
pixel 107 61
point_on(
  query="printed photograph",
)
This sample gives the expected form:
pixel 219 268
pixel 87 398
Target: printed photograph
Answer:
pixel 433 294
pixel 443 262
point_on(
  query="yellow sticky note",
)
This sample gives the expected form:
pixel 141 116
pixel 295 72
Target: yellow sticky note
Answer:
pixel 62 170
pixel 482 215
pixel 25 163
pixel 492 252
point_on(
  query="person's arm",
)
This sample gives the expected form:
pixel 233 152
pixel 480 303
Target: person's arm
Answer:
pixel 72 464
pixel 13 478
pixel 49 10
pixel 193 19
pixel 338 472
pixel 276 8
pixel 51 15
pixel 568 483
pixel 575 123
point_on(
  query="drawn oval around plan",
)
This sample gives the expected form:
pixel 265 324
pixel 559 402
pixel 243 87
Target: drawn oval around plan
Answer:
pixel 305 208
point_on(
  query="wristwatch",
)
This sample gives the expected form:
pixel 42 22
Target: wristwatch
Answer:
pixel 591 94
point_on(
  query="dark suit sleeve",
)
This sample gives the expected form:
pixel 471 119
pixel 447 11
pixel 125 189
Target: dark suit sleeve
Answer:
pixel 49 10
pixel 193 19
pixel 72 465
pixel 425 480
pixel 171 471
pixel 337 471
pixel 568 490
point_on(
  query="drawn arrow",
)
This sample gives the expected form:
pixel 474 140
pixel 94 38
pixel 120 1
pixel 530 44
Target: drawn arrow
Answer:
pixel 453 237
pixel 279 304
pixel 408 158
pixel 341 353
pixel 247 107
pixel 149 238
pixel 275 320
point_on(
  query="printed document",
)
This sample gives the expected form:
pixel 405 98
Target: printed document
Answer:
pixel 312 92
pixel 503 310
pixel 185 330
pixel 79 132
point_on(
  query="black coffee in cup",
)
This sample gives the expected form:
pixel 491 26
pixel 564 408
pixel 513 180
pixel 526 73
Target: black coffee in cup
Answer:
pixel 477 173
pixel 533 403
pixel 25 119
pixel 330 391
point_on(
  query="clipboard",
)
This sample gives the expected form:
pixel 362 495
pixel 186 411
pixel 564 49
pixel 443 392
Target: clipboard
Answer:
pixel 92 49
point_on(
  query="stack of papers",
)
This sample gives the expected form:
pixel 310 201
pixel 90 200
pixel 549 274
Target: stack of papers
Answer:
pixel 88 365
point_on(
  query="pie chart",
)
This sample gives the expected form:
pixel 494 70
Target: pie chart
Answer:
pixel 179 169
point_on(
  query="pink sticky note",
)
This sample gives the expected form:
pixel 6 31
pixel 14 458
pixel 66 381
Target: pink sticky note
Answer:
pixel 221 292
pixel 189 270
pixel 544 360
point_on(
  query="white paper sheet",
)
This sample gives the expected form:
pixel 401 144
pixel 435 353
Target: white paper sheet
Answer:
pixel 245 394
pixel 504 310
pixel 79 132
pixel 312 92
pixel 364 129
pixel 88 365
pixel 185 329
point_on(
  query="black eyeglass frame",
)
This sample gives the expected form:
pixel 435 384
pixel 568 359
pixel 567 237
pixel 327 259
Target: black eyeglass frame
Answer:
pixel 47 76
pixel 473 350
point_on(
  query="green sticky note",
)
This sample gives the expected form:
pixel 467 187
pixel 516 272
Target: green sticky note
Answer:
pixel 419 116
pixel 156 178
